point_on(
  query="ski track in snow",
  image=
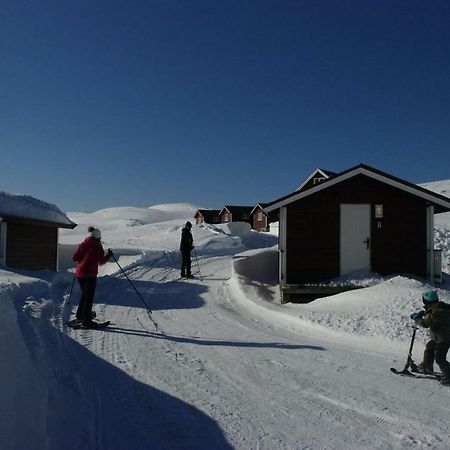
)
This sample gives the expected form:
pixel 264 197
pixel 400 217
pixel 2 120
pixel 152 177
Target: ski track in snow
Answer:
pixel 211 368
pixel 219 372
pixel 204 362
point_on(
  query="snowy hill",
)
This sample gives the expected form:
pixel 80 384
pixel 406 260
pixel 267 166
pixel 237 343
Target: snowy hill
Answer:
pixel 441 187
pixel 227 365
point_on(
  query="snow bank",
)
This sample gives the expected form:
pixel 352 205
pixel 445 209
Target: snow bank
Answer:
pixel 234 237
pixel 381 310
pixel 23 390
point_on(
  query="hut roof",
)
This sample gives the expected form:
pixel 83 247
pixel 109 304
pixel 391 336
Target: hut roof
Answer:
pixel 25 207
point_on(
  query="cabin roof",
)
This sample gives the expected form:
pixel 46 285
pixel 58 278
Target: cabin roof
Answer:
pixel 436 199
pixel 26 208
pixel 237 209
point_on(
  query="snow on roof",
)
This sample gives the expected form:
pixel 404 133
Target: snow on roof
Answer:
pixel 21 206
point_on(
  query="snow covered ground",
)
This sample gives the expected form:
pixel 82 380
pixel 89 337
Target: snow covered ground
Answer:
pixel 227 366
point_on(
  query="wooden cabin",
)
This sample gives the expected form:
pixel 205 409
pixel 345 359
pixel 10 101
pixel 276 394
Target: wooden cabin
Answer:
pixel 211 216
pixel 29 232
pixel 260 219
pixel 231 213
pixel 360 219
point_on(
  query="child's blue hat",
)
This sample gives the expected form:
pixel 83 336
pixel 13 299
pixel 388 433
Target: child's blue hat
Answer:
pixel 430 296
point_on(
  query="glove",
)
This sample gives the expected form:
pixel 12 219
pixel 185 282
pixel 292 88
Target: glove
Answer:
pixel 110 253
pixel 417 315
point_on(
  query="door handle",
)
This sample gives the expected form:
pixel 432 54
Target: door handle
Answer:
pixel 367 242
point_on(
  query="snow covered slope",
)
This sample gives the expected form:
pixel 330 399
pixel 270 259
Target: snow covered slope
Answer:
pixel 226 367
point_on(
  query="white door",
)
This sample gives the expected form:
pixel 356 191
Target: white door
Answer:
pixel 355 237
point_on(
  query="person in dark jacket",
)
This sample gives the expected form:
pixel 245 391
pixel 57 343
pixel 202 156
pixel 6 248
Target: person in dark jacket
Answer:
pixel 89 255
pixel 186 246
pixel 436 317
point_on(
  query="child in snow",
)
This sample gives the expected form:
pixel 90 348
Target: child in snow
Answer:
pixel 436 317
pixel 89 255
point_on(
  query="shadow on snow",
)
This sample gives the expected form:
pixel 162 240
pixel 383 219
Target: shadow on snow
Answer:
pixel 212 342
pixel 91 404
pixel 158 296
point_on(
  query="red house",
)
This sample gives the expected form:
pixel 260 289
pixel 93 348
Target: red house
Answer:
pixel 231 213
pixel 260 219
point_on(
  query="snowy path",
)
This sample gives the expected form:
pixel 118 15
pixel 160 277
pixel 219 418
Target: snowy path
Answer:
pixel 263 386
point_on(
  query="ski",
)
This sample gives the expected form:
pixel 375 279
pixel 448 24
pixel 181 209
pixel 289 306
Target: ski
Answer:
pixel 78 325
pixel 175 280
pixel 73 322
pixel 76 320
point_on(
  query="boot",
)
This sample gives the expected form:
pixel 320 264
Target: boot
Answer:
pixel 425 369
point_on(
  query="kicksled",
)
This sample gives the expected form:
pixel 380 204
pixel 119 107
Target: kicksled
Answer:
pixel 411 369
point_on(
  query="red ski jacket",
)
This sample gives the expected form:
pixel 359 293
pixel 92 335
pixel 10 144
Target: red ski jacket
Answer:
pixel 89 255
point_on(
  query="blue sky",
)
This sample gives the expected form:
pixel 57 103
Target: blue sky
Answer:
pixel 120 103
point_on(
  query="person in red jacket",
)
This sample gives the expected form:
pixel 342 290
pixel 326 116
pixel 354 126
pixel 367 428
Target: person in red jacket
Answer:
pixel 89 255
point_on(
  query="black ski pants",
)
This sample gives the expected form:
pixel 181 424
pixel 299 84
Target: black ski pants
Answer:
pixel 185 263
pixel 437 352
pixel 84 311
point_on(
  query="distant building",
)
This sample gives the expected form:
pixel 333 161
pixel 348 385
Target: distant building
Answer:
pixel 360 219
pixel 231 213
pixel 210 216
pixel 260 219
pixel 29 232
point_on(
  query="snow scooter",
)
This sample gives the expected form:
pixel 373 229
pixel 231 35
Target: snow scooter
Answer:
pixel 410 364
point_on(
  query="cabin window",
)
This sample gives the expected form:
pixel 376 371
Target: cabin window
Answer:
pixel 226 217
pixel 318 180
pixel 246 216
pixel 260 216
pixel 216 219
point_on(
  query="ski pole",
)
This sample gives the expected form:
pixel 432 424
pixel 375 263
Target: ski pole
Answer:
pixel 198 265
pixel 71 288
pixel 149 311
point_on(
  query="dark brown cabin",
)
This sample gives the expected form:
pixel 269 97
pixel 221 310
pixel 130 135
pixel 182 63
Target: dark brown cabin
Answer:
pixel 236 214
pixel 210 216
pixel 360 219
pixel 28 243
